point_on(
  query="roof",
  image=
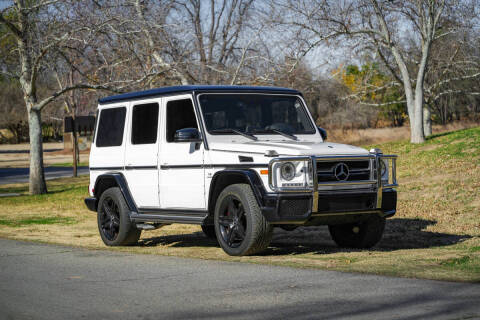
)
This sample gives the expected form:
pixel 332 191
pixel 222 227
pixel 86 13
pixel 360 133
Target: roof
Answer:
pixel 193 88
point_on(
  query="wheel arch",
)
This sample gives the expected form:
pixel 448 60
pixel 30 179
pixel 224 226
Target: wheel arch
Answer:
pixel 224 178
pixel 114 179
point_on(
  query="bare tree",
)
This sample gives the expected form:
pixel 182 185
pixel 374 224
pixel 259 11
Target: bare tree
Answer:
pixel 453 75
pixel 12 118
pixel 382 26
pixel 70 101
pixel 43 31
pixel 193 41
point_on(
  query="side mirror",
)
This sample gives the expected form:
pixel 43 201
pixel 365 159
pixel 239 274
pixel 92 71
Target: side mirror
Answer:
pixel 323 133
pixel 187 135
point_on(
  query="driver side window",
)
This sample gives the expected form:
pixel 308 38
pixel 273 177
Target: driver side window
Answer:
pixel 180 115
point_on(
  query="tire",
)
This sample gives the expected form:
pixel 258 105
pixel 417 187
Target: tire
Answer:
pixel 113 220
pixel 240 227
pixel 209 231
pixel 360 235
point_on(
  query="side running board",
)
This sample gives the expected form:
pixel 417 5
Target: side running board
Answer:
pixel 169 216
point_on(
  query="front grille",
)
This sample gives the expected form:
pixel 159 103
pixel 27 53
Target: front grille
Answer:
pixel 358 170
pixel 346 202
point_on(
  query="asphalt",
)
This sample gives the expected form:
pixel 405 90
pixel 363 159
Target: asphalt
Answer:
pixel 26 151
pixel 20 175
pixel 54 282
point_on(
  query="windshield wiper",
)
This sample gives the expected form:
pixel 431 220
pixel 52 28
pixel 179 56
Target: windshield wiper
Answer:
pixel 229 130
pixel 287 135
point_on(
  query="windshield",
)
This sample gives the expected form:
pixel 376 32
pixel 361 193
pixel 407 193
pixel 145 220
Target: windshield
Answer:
pixel 255 113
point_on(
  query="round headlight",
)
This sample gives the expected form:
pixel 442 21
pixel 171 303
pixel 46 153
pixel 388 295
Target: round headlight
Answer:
pixel 287 171
pixel 383 167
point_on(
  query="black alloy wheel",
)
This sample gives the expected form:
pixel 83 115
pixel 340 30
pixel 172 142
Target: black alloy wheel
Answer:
pixel 240 226
pixel 232 221
pixel 110 219
pixel 209 231
pixel 114 224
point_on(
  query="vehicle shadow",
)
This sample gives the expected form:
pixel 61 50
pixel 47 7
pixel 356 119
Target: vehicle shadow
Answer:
pixel 196 239
pixel 400 233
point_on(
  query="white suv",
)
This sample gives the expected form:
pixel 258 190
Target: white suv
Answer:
pixel 236 160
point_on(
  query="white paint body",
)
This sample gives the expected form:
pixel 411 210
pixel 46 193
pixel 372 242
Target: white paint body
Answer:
pixel 186 187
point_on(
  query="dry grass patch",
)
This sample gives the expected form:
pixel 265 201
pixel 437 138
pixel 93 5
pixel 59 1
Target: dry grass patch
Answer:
pixel 435 234
pixel 383 135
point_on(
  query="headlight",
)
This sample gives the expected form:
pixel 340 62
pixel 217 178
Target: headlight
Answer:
pixel 384 170
pixel 287 171
pixel 290 174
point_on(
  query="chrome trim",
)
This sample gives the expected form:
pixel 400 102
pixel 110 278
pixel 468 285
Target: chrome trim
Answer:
pixel 344 158
pixel 289 189
pixel 378 167
pixel 393 160
pixel 346 183
pixel 314 184
pixel 375 181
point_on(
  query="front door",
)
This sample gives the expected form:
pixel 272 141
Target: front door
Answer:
pixel 181 174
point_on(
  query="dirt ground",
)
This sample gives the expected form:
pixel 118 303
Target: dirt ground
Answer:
pixel 361 137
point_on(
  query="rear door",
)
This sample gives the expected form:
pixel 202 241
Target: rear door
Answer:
pixel 108 148
pixel 141 152
pixel 182 184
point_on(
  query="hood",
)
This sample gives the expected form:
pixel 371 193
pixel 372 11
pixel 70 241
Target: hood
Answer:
pixel 287 148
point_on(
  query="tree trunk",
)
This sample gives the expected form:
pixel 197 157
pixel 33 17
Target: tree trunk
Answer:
pixel 74 147
pixel 427 121
pixel 416 124
pixel 37 177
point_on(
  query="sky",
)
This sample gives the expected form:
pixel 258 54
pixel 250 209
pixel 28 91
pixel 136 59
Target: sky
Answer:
pixel 5 3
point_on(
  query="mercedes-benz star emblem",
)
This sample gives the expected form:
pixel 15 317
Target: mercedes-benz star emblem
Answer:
pixel 341 171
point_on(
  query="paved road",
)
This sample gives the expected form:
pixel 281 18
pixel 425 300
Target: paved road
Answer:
pixel 19 175
pixel 54 282
pixel 27 150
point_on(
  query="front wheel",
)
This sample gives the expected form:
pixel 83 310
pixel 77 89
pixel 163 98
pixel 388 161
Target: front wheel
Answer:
pixel 239 224
pixel 114 224
pixel 360 235
pixel 209 231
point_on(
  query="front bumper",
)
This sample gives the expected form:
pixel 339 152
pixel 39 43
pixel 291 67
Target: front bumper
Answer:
pixel 91 203
pixel 300 208
pixel 345 200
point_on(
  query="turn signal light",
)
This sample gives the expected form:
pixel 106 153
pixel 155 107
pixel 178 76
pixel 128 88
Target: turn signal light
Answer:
pixel 263 171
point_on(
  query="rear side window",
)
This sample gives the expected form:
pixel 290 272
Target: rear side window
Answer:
pixel 180 115
pixel 110 127
pixel 145 123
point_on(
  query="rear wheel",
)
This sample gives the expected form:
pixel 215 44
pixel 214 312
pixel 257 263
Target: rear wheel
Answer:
pixel 209 231
pixel 240 227
pixel 114 224
pixel 360 235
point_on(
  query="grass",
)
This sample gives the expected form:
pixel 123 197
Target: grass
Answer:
pixel 35 220
pixel 435 234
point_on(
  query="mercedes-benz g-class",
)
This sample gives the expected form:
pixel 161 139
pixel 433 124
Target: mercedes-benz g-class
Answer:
pixel 236 160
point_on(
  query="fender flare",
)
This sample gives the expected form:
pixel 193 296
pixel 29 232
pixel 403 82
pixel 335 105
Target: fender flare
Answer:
pixel 118 179
pixel 223 178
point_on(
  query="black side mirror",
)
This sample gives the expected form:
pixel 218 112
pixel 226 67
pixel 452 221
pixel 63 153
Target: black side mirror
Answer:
pixel 323 133
pixel 187 135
